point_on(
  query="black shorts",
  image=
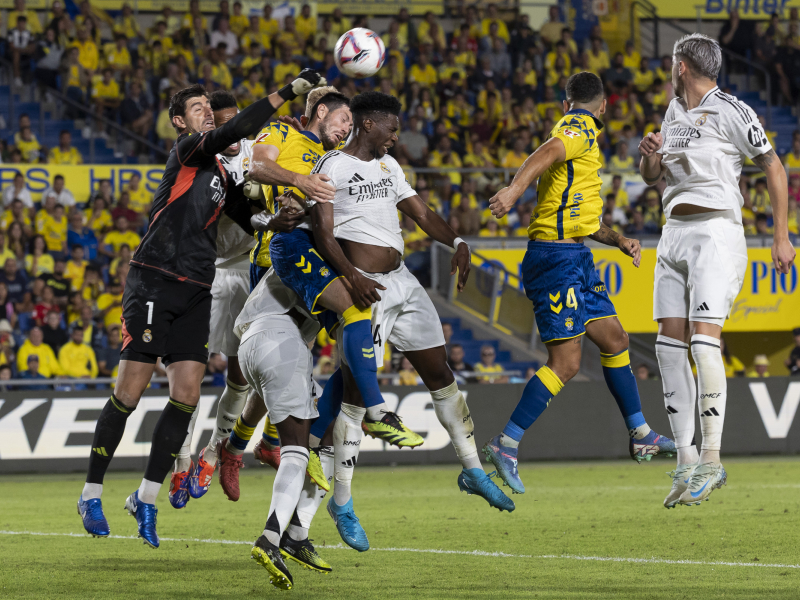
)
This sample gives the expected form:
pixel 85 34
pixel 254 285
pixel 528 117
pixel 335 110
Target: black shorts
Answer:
pixel 165 318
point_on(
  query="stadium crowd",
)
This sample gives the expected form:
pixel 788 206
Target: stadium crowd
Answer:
pixel 480 90
pixel 480 96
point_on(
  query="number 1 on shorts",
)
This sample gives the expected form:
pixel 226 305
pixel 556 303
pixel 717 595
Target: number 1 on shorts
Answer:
pixel 149 312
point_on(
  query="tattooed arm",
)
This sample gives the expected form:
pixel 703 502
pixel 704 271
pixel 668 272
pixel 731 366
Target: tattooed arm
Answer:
pixel 782 250
pixel 609 237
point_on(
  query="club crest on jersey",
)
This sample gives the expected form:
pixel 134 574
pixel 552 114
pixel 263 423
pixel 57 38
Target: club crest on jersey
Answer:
pixel 324 272
pixel 147 336
pixel 701 120
pixel 384 168
pixel 245 163
pixel 262 137
pixel 569 323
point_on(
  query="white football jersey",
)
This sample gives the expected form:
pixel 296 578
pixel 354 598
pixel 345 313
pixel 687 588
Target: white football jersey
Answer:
pixel 704 149
pixel 232 240
pixel 367 193
pixel 269 298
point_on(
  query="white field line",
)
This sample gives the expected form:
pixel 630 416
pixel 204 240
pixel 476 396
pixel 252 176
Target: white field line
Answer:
pixel 652 561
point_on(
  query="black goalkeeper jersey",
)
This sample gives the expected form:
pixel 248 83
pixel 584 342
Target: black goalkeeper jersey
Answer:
pixel 181 240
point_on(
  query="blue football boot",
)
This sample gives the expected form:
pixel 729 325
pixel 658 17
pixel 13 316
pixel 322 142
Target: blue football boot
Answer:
pixel 94 521
pixel 505 460
pixel 145 515
pixel 475 481
pixel 179 487
pixel 651 445
pixel 347 524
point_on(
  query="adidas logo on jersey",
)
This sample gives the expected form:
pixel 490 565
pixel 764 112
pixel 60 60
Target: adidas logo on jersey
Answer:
pixel 703 306
pixel 711 412
pixel 671 410
pixel 356 178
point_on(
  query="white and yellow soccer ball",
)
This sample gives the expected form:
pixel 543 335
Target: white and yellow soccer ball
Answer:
pixel 359 53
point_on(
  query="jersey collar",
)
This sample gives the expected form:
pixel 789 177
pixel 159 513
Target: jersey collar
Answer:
pixel 708 93
pixel 311 136
pixel 586 113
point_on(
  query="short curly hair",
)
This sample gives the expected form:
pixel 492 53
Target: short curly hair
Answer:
pixel 584 88
pixel 222 99
pixel 368 103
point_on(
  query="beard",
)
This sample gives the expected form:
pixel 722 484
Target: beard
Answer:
pixel 328 141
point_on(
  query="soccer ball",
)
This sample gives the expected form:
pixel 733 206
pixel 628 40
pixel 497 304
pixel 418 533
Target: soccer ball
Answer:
pixel 359 53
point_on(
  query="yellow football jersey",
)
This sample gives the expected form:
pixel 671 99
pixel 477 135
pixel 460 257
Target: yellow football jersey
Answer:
pixel 569 192
pixel 299 152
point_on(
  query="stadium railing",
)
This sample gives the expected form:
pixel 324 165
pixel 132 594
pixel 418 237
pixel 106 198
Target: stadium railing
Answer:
pixel 90 117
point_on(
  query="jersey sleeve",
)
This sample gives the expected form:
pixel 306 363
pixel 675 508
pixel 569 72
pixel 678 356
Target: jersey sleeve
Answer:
pixel 189 150
pixel 273 134
pixel 740 125
pixel 575 142
pixel 404 189
pixel 668 116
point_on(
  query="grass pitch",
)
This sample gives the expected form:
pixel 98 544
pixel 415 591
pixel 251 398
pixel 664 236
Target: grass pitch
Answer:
pixel 583 530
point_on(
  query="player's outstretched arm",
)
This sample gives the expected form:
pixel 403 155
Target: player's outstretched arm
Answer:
pixel 254 117
pixel 439 230
pixel 783 252
pixel 535 165
pixel 363 290
pixel 609 237
pixel 264 169
pixel 650 166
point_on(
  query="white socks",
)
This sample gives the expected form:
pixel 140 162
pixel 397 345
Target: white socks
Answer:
pixel 375 413
pixel 91 490
pixel 230 406
pixel 286 491
pixel 680 394
pixel 508 442
pixel 148 491
pixel 311 497
pixel 184 459
pixel 712 394
pixel 452 411
pixel 346 444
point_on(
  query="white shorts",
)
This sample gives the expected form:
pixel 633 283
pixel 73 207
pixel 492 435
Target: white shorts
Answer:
pixel 229 292
pixel 277 363
pixel 700 267
pixel 405 316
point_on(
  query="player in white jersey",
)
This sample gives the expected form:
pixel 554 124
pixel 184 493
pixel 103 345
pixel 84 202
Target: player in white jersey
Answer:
pixel 276 330
pixel 359 232
pixel 229 292
pixel 702 254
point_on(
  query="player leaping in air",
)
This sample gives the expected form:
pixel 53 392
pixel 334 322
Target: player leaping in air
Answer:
pixel 702 254
pixel 167 301
pixel 358 235
pixel 560 279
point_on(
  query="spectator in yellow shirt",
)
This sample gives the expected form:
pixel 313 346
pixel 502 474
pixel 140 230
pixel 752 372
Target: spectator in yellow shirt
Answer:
pixel 493 18
pixel 487 365
pixel 266 23
pixel 631 59
pixel 88 56
pixel 110 303
pixel 76 267
pixel 65 153
pixel 48 363
pixel 305 24
pixel 444 157
pixel 117 56
pixel 621 161
pixel 340 24
pixel 28 145
pixel 54 229
pixel 430 32
pixel 76 358
pixel 597 58
pixel 251 89
pixel 34 24
pixel 516 156
pixel 287 66
pixel 189 19
pixel 38 262
pixel 255 35
pixel 138 197
pixel 792 158
pixel 492 230
pixel 98 218
pixel 17 213
pixel 106 95
pixel 238 21
pixel 643 76
pixel 760 367
pixel 126 24
pixel 423 72
pixel 121 235
pixel 619 192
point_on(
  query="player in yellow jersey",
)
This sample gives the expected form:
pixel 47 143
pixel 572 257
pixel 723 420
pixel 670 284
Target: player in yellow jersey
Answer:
pixel 283 158
pixel 569 299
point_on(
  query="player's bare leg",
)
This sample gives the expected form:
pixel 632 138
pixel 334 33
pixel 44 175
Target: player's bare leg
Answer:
pixel 131 383
pixel 452 411
pixel 612 340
